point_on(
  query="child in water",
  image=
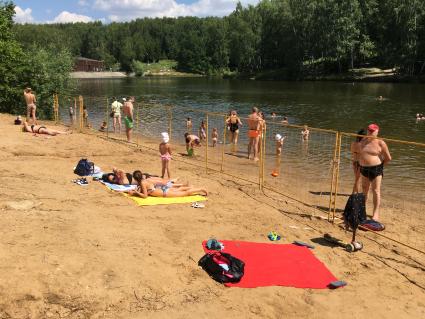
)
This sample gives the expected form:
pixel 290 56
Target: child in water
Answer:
pixel 189 124
pixel 165 153
pixel 279 143
pixel 305 133
pixel 214 136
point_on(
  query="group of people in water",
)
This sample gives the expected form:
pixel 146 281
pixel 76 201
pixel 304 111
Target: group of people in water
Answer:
pixel 369 155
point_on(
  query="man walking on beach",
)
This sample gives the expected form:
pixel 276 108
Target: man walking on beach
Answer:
pixel 253 133
pixel 128 117
pixel 31 108
pixel 373 155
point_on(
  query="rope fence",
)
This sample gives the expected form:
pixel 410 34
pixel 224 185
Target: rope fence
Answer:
pixel 316 171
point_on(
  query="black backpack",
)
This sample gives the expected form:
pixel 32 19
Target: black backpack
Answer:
pixel 210 262
pixel 84 167
pixel 355 210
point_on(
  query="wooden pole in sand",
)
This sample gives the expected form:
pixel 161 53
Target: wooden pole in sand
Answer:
pixel 137 123
pixel 57 108
pixel 331 194
pixel 224 144
pixel 263 155
pixel 338 160
pixel 81 107
pixel 206 142
pixel 107 117
pixel 170 120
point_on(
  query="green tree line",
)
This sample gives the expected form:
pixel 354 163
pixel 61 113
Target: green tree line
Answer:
pixel 297 36
pixel 43 68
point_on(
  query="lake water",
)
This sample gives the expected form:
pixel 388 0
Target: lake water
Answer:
pixel 339 106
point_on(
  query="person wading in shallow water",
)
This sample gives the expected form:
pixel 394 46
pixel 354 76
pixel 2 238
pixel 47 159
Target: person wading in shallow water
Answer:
pixel 373 155
pixel 128 117
pixel 253 133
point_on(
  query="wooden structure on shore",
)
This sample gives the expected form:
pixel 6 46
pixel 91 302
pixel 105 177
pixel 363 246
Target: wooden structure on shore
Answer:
pixel 88 65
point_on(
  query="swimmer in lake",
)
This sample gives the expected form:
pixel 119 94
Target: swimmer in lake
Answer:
pixel 305 133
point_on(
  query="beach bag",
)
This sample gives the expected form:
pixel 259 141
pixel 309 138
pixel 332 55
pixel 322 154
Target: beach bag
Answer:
pixel 112 114
pixel 84 167
pixel 222 267
pixel 355 210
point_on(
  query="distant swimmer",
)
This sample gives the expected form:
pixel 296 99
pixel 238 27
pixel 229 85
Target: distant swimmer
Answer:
pixel 380 98
pixel 31 108
pixel 189 124
pixel 373 155
pixel 285 120
pixel 273 116
pixel 420 117
pixel 305 133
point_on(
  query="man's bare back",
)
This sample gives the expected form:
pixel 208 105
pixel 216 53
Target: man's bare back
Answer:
pixel 29 97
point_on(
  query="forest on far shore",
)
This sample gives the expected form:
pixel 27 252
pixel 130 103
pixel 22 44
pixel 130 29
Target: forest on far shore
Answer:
pixel 298 37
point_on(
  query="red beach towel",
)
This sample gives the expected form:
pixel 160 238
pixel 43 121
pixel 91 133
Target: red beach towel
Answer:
pixel 277 265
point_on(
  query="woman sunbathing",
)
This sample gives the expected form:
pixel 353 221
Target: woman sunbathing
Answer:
pixel 147 187
pixel 39 129
pixel 118 176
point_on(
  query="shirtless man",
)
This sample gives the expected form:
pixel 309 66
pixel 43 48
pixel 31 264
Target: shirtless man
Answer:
pixel 31 108
pixel 373 155
pixel 253 133
pixel 128 117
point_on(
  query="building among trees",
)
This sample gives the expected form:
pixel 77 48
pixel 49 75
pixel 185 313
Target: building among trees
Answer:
pixel 88 65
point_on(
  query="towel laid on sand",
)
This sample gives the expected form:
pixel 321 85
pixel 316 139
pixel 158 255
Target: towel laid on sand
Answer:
pixel 119 188
pixel 277 265
pixel 151 201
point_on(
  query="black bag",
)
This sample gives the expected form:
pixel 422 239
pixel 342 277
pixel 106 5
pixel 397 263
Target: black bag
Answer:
pixel 210 262
pixel 355 210
pixel 112 114
pixel 84 167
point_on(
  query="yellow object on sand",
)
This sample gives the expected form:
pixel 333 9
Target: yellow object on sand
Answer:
pixel 151 201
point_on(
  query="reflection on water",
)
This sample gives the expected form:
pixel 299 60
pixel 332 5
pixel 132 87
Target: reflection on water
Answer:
pixel 341 106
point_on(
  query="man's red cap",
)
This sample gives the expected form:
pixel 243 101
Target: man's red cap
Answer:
pixel 373 128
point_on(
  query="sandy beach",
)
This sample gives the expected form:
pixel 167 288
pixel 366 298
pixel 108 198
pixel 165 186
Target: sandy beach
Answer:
pixel 69 251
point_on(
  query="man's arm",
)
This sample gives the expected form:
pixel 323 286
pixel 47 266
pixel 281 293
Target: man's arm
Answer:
pixel 385 152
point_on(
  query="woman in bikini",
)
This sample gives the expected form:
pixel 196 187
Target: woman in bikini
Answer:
pixel 40 129
pixel 355 150
pixel 233 122
pixel 147 188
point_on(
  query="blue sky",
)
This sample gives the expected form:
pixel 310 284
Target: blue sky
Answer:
pixel 50 11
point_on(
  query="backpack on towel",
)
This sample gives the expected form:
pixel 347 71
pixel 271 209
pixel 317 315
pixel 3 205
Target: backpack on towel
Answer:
pixel 355 210
pixel 222 267
pixel 84 167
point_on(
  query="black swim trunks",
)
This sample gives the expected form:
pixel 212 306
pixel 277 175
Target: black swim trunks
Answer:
pixel 372 172
pixel 233 127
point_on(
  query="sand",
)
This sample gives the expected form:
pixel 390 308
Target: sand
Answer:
pixel 68 251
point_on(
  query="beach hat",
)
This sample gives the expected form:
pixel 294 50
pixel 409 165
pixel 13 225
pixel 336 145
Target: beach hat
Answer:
pixel 373 128
pixel 124 99
pixel 165 137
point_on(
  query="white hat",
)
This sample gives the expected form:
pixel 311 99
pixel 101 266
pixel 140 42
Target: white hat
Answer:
pixel 124 99
pixel 165 137
pixel 278 137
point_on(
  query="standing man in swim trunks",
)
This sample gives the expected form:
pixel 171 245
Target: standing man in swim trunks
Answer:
pixel 31 108
pixel 128 117
pixel 253 133
pixel 373 155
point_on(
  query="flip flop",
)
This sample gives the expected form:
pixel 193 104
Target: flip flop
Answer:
pixel 303 244
pixel 337 284
pixel 197 205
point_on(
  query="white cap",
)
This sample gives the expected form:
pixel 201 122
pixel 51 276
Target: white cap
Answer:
pixel 278 137
pixel 165 137
pixel 124 99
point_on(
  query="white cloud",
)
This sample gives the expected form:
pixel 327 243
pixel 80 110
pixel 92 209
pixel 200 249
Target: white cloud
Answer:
pixel 83 3
pixel 68 17
pixel 23 16
pixel 120 10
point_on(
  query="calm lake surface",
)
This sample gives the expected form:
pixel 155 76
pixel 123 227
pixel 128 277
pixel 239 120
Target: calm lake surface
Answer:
pixel 345 107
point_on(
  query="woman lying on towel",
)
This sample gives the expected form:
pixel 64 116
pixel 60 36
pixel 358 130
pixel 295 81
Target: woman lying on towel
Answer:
pixel 39 129
pixel 147 187
pixel 118 176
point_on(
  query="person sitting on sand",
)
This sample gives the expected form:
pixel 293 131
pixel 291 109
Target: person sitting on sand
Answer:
pixel 18 120
pixel 148 188
pixel 40 129
pixel 191 142
pixel 103 127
